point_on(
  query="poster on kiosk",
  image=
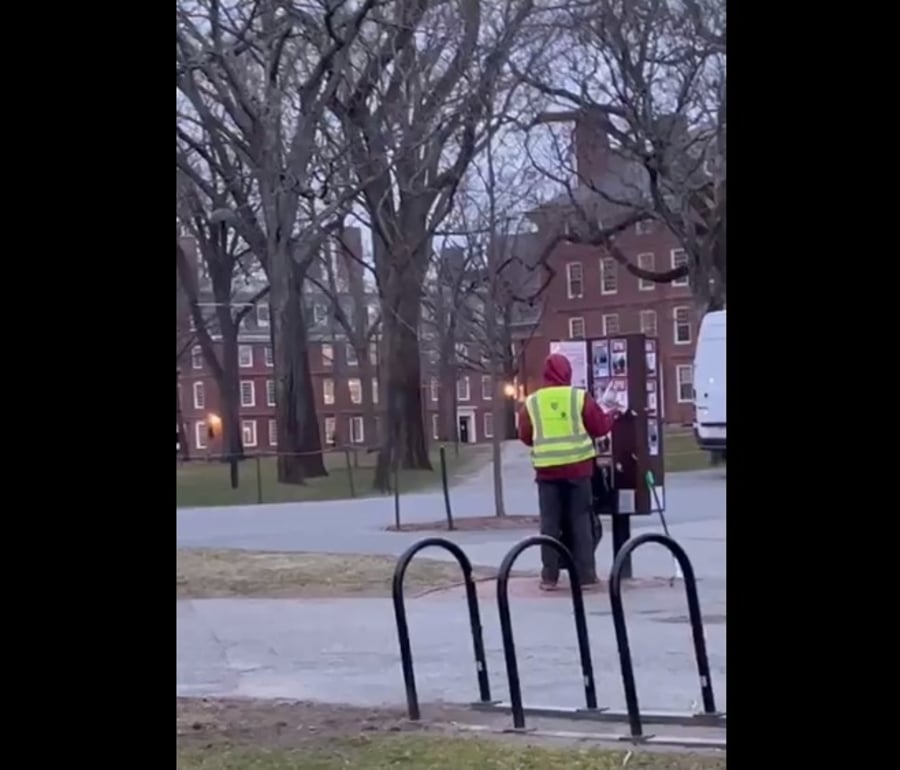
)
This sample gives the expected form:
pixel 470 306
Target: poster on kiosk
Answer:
pixel 629 365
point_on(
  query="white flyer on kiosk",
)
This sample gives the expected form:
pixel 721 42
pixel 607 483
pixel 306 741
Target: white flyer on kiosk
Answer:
pixel 576 352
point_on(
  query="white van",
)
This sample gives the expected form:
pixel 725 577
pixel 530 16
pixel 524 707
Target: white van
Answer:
pixel 709 383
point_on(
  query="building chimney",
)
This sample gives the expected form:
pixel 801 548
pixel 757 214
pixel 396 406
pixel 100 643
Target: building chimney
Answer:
pixel 591 141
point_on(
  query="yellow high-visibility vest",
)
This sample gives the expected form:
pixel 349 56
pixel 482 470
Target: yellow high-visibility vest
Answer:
pixel 559 437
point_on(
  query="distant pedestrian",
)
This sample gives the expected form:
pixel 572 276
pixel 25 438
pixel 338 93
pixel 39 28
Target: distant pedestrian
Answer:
pixel 560 422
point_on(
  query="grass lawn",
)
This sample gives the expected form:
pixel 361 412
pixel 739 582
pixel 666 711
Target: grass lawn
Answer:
pixel 246 734
pixel 201 483
pixel 423 752
pixel 207 573
pixel 682 452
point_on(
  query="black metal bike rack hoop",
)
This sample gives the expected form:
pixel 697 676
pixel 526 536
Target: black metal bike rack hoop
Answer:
pixel 409 677
pixel 618 614
pixel 509 647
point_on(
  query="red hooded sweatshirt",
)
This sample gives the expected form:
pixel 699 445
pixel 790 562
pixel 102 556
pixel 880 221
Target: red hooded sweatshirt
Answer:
pixel 558 371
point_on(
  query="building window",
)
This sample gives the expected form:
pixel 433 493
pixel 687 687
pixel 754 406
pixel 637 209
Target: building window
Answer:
pixel 196 357
pixel 248 393
pixel 373 312
pixel 609 276
pixel 191 325
pixel 435 426
pixel 262 315
pixel 273 433
pixel 267 352
pixel 644 227
pixel 327 391
pixel 610 324
pixel 248 432
pixel 648 322
pixel 487 389
pixel 646 262
pixel 374 390
pixel 200 434
pixel 682 317
pixel 576 328
pixel 199 395
pixel 245 356
pixel 684 376
pixel 350 355
pixel 357 431
pixel 327 355
pixel 488 425
pixel 462 389
pixel 679 258
pixel 270 392
pixel 319 315
pixel 574 280
pixel 373 353
pixel 433 388
pixel 462 353
pixel 330 425
pixel 355 387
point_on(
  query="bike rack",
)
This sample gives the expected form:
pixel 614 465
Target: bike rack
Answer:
pixel 509 647
pixel 709 716
pixel 409 677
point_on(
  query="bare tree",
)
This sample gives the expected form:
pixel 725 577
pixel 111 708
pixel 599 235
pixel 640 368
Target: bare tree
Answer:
pixel 415 117
pixel 650 75
pixel 255 76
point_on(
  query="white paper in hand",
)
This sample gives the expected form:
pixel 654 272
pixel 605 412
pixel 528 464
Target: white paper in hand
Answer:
pixel 609 401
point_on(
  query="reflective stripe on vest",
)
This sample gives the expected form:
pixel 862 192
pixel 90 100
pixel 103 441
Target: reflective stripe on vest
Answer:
pixel 559 437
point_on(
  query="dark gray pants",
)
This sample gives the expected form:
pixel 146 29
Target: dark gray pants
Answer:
pixel 566 515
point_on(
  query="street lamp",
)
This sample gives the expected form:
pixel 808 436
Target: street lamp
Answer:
pixel 509 390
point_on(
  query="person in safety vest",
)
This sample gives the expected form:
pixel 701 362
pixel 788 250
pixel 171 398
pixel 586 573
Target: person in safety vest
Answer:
pixel 560 422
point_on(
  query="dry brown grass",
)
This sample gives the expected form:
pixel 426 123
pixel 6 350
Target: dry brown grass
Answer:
pixel 209 573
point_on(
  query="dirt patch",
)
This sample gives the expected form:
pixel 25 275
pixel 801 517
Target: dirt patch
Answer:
pixel 471 524
pixel 228 734
pixel 208 573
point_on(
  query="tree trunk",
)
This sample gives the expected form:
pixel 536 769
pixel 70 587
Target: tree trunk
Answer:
pixel 299 442
pixel 230 394
pixel 404 430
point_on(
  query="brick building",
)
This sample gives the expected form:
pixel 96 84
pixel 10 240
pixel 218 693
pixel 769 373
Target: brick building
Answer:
pixel 591 295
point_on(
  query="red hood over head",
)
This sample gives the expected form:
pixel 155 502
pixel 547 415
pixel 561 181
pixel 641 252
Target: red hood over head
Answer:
pixel 557 370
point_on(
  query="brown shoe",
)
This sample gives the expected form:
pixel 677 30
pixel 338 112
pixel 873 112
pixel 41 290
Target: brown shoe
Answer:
pixel 547 585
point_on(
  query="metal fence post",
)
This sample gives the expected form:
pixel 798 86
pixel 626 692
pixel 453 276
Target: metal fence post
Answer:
pixel 259 490
pixel 446 488
pixel 349 471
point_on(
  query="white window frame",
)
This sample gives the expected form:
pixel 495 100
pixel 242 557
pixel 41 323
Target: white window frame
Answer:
pixel 675 254
pixel 269 356
pixel 374 390
pixel 273 432
pixel 327 355
pixel 487 387
pixel 463 381
pixel 249 427
pixel 199 390
pixel 570 280
pixel 319 314
pixel 488 425
pixel 435 426
pixel 572 335
pixel 609 268
pixel 262 315
pixel 644 285
pixel 644 227
pixel 200 434
pixel 196 357
pixel 252 385
pixel 350 355
pixel 373 353
pixel 330 428
pixel 270 392
pixel 327 391
pixel 433 388
pixel 678 383
pixel 607 332
pixel 462 353
pixel 649 314
pixel 357 426
pixel 676 323
pixel 245 361
pixel 358 383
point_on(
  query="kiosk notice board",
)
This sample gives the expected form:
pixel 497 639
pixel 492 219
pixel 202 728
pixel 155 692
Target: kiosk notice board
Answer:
pixel 630 364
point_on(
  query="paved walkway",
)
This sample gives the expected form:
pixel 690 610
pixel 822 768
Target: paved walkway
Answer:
pixel 346 650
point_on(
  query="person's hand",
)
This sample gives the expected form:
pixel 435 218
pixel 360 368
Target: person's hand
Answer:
pixel 609 401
